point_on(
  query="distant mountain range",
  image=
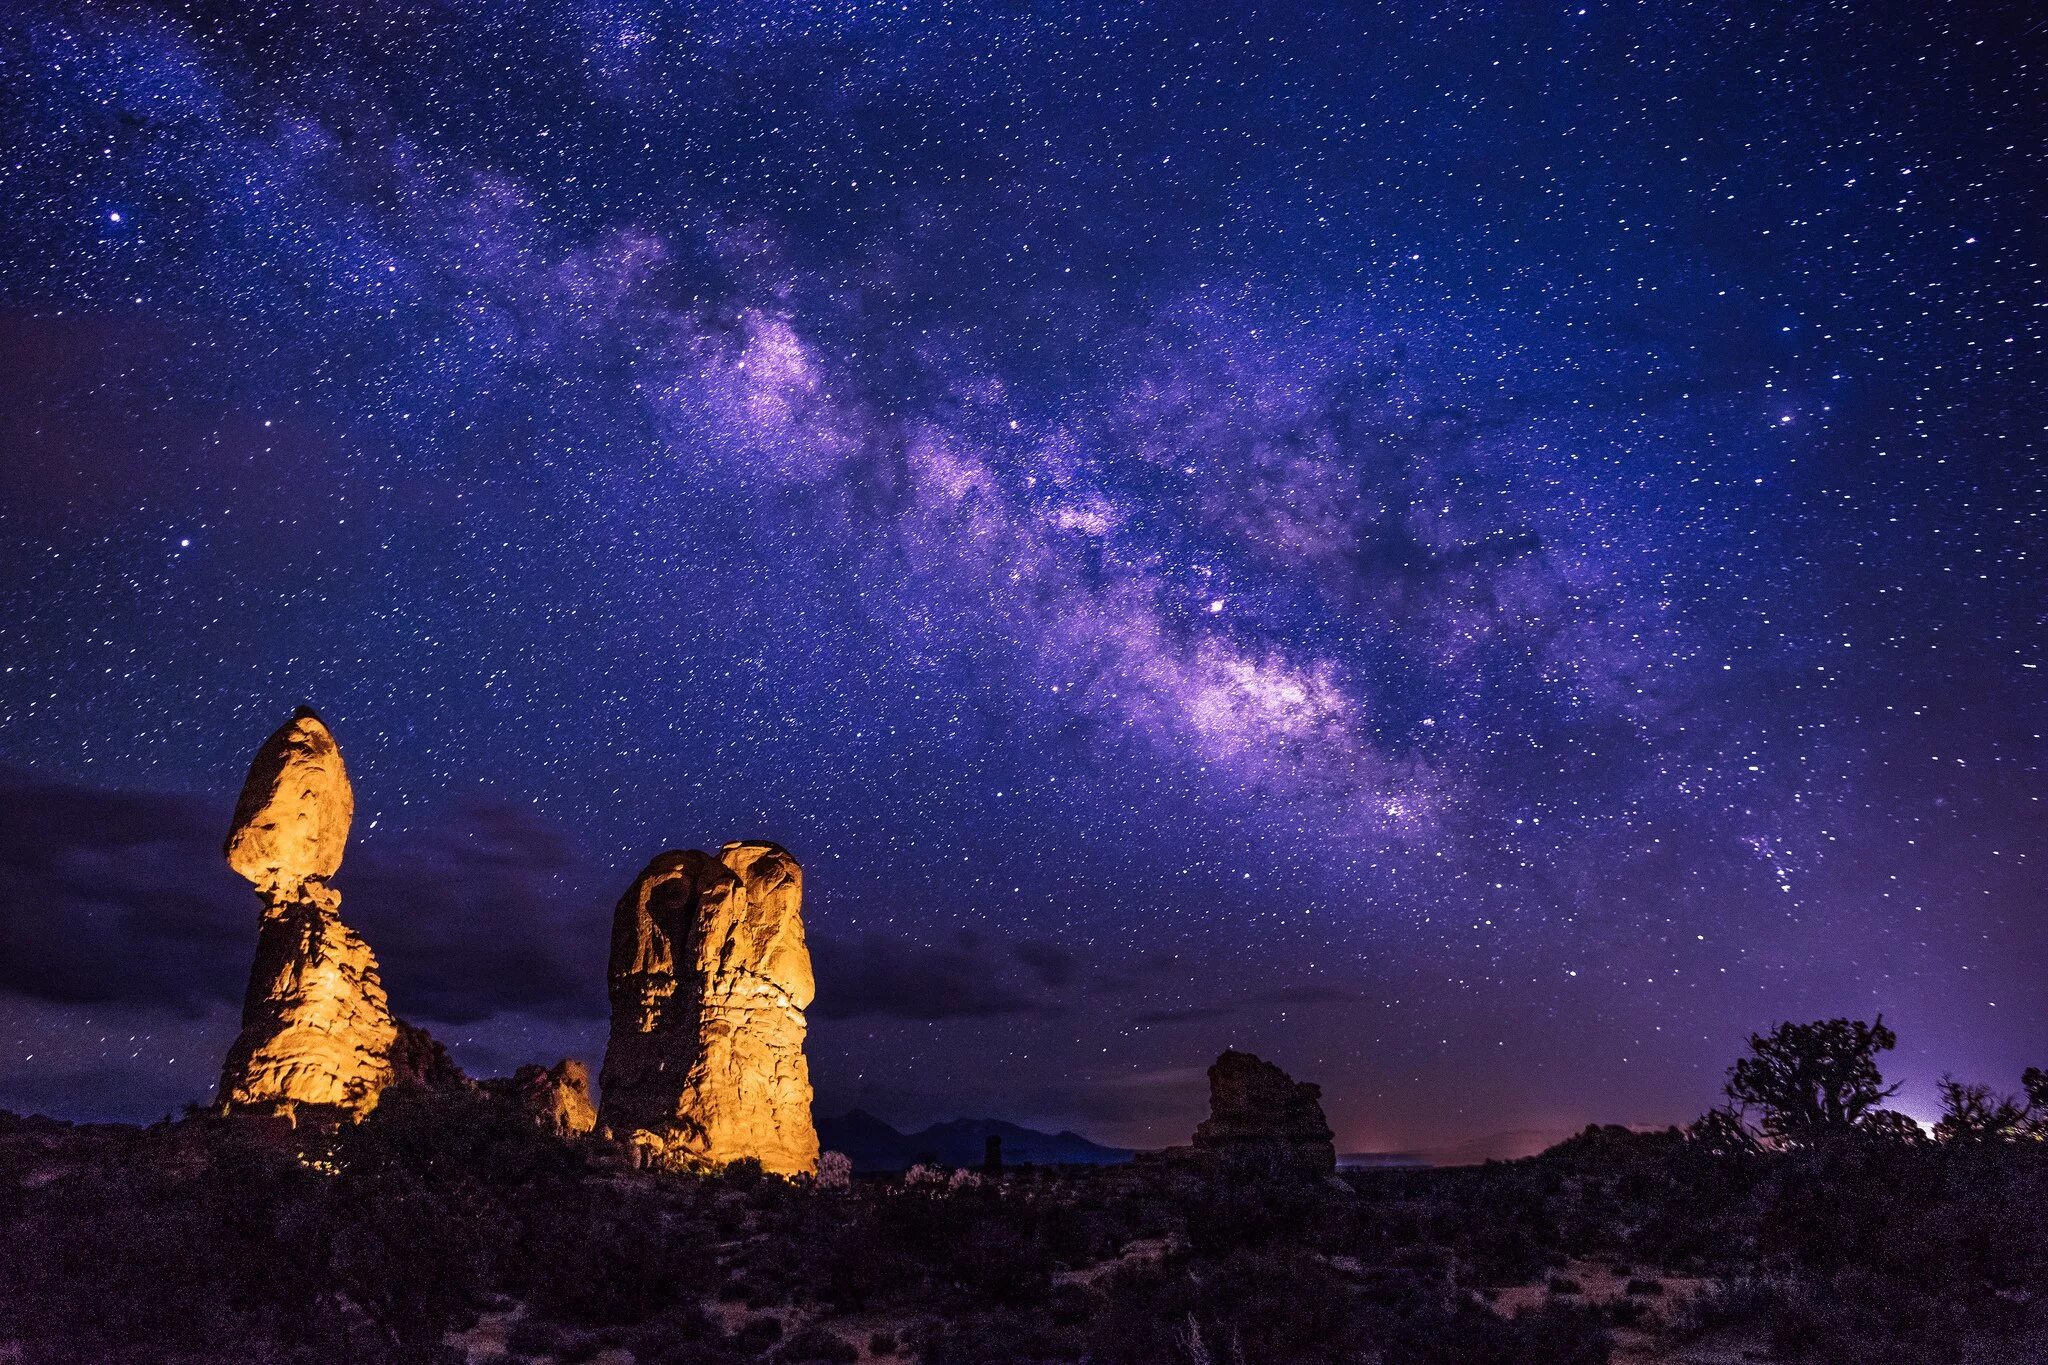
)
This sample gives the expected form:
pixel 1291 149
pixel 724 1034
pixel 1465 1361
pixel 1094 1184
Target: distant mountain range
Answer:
pixel 1509 1146
pixel 875 1146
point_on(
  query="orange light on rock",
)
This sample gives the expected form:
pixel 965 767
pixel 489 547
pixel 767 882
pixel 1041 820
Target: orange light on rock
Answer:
pixel 317 1028
pixel 709 981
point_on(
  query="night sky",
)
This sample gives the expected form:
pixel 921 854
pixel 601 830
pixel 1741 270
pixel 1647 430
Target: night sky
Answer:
pixel 1482 552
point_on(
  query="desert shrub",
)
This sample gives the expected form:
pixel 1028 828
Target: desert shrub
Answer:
pixel 1002 1337
pixel 198 1243
pixel 595 1255
pixel 201 1242
pixel 817 1346
pixel 683 1334
pixel 1899 1252
pixel 458 1140
pixel 1422 1259
pixel 1556 1334
pixel 1002 1265
pixel 758 1333
pixel 1274 1304
pixel 1392 1287
pixel 835 1172
pixel 1070 1305
pixel 1741 1301
pixel 410 1258
pixel 579 1348
pixel 1513 1242
pixel 1226 1215
pixel 531 1336
pixel 1849 1318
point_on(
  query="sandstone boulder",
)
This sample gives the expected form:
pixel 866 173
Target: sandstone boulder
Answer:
pixel 710 977
pixel 317 1029
pixel 418 1059
pixel 557 1097
pixel 1264 1122
pixel 291 821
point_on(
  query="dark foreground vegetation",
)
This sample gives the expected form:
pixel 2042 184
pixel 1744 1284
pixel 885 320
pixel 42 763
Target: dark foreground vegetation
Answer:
pixel 1856 1240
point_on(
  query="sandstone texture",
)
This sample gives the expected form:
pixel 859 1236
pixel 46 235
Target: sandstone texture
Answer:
pixel 291 821
pixel 709 981
pixel 317 1029
pixel 1264 1122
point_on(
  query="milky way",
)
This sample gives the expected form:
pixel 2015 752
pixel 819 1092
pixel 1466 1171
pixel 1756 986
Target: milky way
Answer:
pixel 1483 554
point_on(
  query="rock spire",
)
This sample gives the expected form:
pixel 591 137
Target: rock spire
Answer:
pixel 316 1027
pixel 709 981
pixel 1264 1122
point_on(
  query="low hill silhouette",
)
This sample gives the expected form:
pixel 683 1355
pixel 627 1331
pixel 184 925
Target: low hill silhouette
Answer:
pixel 873 1145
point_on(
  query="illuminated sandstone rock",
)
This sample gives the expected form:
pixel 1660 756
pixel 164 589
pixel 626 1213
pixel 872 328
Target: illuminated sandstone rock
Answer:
pixel 1264 1122
pixel 291 821
pixel 316 1027
pixel 709 981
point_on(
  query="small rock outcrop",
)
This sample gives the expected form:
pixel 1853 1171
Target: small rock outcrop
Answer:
pixel 316 1026
pixel 418 1059
pixel 1262 1121
pixel 709 981
pixel 556 1097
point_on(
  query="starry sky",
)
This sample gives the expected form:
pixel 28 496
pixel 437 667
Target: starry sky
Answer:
pixel 1481 551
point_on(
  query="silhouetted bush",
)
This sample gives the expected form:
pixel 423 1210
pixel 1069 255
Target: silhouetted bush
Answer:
pixel 816 1346
pixel 211 1241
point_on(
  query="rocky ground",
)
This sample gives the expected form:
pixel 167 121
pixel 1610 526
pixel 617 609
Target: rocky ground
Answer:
pixel 453 1229
pixel 1650 1319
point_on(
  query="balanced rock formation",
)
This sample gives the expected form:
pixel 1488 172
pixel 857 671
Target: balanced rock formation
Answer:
pixel 1262 1121
pixel 709 981
pixel 316 1027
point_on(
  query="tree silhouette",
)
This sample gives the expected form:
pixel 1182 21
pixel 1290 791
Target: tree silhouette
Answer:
pixel 1812 1081
pixel 1721 1132
pixel 2035 1081
pixel 1973 1113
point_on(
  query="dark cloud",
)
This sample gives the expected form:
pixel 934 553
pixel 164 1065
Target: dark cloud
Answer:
pixel 122 898
pixel 117 898
pixel 968 977
pixel 1053 965
pixel 1316 995
pixel 489 910
pixel 1176 1095
pixel 1266 1002
pixel 1183 1016
pixel 1137 975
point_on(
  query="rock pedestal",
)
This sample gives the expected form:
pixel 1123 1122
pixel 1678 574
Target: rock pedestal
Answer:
pixel 316 1026
pixel 709 981
pixel 1264 1122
